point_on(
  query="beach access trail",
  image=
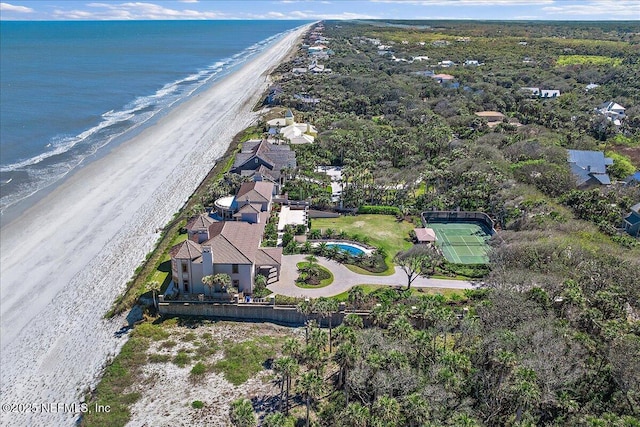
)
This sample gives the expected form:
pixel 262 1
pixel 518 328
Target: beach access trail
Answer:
pixel 66 259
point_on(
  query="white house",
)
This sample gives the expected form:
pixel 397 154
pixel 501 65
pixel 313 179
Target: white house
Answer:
pixel 296 133
pixel 549 93
pixel 612 111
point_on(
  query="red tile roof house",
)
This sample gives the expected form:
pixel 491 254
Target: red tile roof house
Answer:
pixel 228 247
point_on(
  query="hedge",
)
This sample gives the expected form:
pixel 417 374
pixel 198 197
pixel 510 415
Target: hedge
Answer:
pixel 379 210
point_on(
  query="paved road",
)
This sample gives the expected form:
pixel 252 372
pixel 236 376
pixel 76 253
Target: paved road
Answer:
pixel 344 279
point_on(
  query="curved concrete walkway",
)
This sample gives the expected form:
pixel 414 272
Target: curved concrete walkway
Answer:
pixel 344 279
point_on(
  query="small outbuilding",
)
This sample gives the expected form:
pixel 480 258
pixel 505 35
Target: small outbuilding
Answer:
pixel 425 235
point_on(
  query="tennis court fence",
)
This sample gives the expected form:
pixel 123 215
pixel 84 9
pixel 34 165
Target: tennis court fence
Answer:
pixel 451 216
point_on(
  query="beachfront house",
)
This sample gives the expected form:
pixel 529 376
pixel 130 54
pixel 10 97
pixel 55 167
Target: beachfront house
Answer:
pixel 227 243
pixel 264 161
pixel 632 221
pixel 589 167
pixel 251 199
pixel 232 248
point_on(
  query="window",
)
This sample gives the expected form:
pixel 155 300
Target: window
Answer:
pixel 234 268
pixel 236 284
pixel 184 267
pixel 186 286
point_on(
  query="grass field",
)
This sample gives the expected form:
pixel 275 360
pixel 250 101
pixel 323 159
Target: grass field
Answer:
pixel 462 242
pixel 383 231
pixel 564 60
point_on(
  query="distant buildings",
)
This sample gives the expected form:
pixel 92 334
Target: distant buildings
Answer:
pixel 493 118
pixel 589 167
pixel 612 111
pixel 541 93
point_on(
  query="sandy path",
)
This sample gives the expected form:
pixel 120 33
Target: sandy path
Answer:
pixel 65 260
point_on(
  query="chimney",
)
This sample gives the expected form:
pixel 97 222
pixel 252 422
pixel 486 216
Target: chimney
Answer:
pixel 207 261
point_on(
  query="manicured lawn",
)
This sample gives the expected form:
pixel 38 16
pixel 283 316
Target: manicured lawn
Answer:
pixel 383 231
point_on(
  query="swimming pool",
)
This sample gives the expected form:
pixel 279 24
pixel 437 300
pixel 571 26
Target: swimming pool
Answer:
pixel 352 249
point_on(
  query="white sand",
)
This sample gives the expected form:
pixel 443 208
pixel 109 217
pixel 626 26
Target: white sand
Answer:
pixel 65 260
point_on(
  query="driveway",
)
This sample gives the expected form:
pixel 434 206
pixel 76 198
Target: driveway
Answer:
pixel 344 279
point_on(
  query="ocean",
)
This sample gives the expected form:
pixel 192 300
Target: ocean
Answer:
pixel 71 90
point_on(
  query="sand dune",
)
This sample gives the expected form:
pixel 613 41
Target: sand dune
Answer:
pixel 64 261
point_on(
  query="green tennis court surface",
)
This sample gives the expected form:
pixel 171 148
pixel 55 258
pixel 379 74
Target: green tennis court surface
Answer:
pixel 462 242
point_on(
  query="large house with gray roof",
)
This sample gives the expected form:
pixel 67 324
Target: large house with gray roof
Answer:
pixel 262 160
pixel 589 167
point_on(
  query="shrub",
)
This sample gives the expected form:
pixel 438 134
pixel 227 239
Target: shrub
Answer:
pixel 379 210
pixel 198 369
pixel 197 404
pixel 181 359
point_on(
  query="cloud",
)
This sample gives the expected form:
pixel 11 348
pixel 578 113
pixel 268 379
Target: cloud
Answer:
pixel 468 2
pixel 610 8
pixel 134 11
pixel 188 1
pixel 313 15
pixel 6 7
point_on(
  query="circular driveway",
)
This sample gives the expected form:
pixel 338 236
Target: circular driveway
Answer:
pixel 344 279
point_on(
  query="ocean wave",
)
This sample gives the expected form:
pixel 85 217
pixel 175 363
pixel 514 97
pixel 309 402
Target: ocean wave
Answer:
pixel 64 152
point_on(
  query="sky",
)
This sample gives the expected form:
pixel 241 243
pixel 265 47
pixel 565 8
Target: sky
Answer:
pixel 563 10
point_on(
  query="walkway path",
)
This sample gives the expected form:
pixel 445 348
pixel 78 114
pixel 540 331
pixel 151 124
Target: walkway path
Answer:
pixel 344 279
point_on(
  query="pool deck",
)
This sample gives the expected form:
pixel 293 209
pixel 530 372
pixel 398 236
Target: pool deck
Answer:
pixel 345 279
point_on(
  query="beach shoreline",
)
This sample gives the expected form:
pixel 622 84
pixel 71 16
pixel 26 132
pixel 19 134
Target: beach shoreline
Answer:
pixel 65 259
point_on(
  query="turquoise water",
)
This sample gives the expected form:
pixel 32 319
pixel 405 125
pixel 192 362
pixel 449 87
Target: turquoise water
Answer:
pixel 347 248
pixel 70 89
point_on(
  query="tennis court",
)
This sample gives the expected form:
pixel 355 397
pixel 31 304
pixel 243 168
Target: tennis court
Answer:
pixel 462 242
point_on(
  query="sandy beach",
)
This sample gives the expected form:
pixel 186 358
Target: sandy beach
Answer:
pixel 66 259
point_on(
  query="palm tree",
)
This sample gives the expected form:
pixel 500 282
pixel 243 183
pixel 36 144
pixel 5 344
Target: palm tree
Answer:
pixel 310 385
pixel 401 328
pixel 355 415
pixel 154 287
pixel 346 357
pixel 222 280
pixel 386 411
pixel 210 282
pixel 291 347
pixel 287 367
pixel 356 296
pixel 325 307
pixel 275 419
pixel 306 307
pixel 416 409
pixel 242 414
pixel 260 283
